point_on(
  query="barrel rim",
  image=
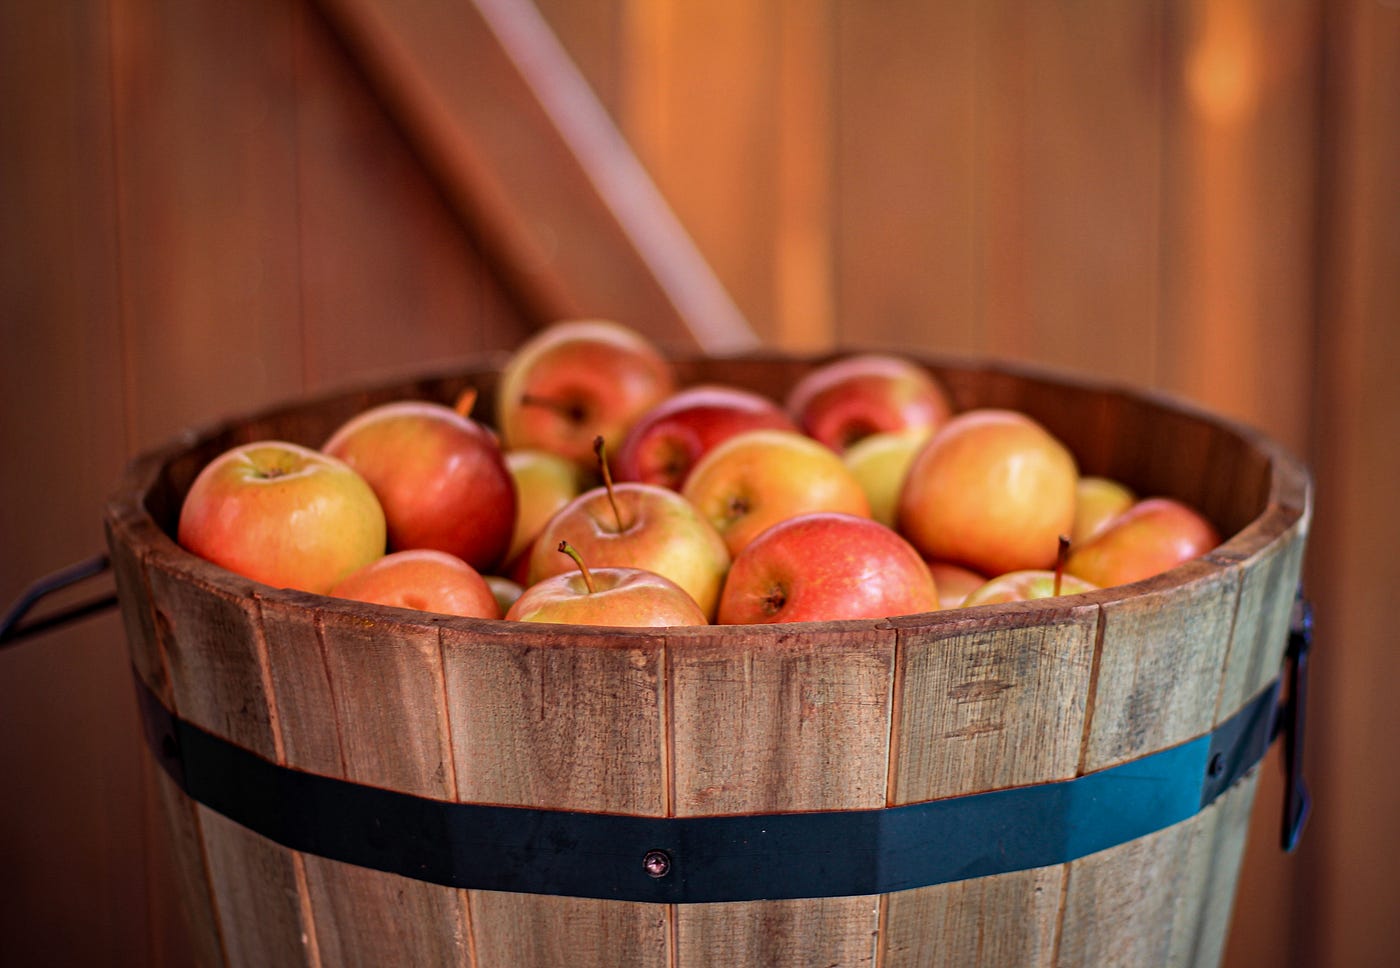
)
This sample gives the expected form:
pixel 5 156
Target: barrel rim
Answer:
pixel 1287 509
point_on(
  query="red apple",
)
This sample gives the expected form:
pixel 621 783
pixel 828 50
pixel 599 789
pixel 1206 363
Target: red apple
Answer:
pixel 283 515
pixel 632 597
pixel 856 396
pixel 760 477
pixel 577 380
pixel 1097 500
pixel 439 475
pixel 666 442
pixel 826 567
pixel 1147 539
pixel 992 490
pixel 954 582
pixel 639 526
pixel 430 581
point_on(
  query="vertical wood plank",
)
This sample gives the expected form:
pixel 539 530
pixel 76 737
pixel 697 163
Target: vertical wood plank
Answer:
pixel 702 112
pixel 795 721
pixel 1343 869
pixel 982 706
pixel 1072 209
pixel 1160 663
pixel 70 819
pixel 208 201
pixel 363 700
pixel 212 644
pixel 390 278
pixel 558 719
pixel 1239 169
pixel 906 152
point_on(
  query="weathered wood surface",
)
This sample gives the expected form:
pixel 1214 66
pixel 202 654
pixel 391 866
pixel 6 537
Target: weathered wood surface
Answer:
pixel 712 721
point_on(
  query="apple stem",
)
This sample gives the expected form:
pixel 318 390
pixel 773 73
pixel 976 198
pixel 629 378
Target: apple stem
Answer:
pixel 1060 558
pixel 598 449
pixel 572 552
pixel 466 400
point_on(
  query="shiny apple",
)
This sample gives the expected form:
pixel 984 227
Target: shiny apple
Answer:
pixel 1023 586
pixel 760 477
pixel 667 441
pixel 439 475
pixel 636 525
pixel 430 581
pixel 577 380
pixel 826 567
pixel 855 396
pixel 282 514
pixel 992 490
pixel 631 597
pixel 1152 536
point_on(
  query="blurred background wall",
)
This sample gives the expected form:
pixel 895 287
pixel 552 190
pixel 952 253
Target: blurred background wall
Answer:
pixel 206 207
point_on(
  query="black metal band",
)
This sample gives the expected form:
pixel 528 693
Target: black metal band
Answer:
pixel 703 859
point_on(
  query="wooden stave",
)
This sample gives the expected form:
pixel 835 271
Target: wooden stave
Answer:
pixel 166 580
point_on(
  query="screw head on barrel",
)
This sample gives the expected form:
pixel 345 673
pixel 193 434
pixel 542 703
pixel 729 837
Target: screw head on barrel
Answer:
pixel 657 863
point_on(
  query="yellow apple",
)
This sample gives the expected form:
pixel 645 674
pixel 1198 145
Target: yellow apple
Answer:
pixel 880 463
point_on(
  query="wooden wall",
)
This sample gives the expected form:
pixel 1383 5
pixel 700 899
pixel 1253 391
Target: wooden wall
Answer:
pixel 205 207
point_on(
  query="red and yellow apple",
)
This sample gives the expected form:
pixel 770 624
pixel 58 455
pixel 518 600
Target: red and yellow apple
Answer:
pixel 577 380
pixel 1023 586
pixel 992 490
pixel 439 475
pixel 1152 536
pixel 631 597
pixel 855 396
pixel 284 515
pixel 760 477
pixel 638 526
pixel 826 567
pixel 667 441
pixel 423 579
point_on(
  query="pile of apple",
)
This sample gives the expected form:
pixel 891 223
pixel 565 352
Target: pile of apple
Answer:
pixel 609 495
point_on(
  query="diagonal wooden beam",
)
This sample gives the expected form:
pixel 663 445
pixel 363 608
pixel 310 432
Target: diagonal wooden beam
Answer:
pixel 530 159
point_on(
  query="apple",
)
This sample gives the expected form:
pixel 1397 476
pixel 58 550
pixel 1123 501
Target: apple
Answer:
pixel 282 514
pixel 577 380
pixel 640 526
pixel 427 580
pixel 505 590
pixel 1150 537
pixel 439 475
pixel 1022 586
pixel 664 444
pixel 826 567
pixel 954 582
pixel 544 483
pixel 992 490
pixel 880 463
pixel 1097 500
pixel 855 396
pixel 632 597
pixel 760 477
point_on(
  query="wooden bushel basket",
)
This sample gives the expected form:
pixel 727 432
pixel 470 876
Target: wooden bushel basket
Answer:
pixel 797 725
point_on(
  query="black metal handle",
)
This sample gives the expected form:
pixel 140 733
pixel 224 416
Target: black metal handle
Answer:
pixel 1297 802
pixel 14 629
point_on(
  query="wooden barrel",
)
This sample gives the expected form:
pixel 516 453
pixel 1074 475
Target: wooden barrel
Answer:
pixel 837 723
